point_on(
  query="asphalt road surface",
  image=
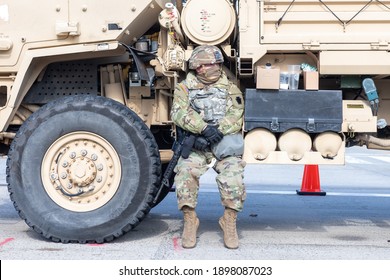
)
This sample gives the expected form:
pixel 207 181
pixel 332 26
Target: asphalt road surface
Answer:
pixel 352 222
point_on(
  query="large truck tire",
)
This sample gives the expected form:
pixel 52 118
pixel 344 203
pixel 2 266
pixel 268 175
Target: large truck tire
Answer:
pixel 83 169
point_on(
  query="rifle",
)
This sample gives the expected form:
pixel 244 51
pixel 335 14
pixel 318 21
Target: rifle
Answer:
pixel 181 148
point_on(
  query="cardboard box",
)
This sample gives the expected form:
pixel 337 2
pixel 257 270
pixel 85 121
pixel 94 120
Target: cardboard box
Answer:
pixel 267 78
pixel 310 80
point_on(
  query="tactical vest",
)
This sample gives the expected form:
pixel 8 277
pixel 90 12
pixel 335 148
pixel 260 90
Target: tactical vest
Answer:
pixel 210 103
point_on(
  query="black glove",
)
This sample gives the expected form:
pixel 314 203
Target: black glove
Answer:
pixel 212 134
pixel 201 144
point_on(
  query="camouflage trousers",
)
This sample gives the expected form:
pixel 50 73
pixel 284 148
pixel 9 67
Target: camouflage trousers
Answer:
pixel 230 175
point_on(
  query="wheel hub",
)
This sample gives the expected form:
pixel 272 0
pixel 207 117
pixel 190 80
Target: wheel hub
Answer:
pixel 81 171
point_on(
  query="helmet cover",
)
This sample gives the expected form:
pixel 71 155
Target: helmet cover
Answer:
pixel 205 54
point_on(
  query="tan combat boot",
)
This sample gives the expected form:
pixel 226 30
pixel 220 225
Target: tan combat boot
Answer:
pixel 191 224
pixel 228 225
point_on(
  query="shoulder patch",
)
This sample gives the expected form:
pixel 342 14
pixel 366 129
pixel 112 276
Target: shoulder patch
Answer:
pixel 237 100
pixel 183 87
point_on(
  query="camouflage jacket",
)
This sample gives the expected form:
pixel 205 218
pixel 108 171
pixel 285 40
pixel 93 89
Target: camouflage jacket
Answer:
pixel 184 116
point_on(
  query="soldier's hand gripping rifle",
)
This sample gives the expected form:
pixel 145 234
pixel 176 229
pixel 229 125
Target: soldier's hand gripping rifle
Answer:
pixel 181 148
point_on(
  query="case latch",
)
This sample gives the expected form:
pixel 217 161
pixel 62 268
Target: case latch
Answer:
pixel 311 126
pixel 275 124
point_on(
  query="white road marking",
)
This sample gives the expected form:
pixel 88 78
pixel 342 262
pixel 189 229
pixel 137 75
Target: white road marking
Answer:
pixel 381 158
pixel 355 160
pixel 294 193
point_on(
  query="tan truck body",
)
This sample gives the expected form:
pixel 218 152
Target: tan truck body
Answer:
pixel 135 52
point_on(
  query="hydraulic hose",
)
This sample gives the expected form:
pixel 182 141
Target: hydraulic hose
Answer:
pixel 369 139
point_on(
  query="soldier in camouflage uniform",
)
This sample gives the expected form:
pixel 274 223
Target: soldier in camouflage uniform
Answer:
pixel 207 104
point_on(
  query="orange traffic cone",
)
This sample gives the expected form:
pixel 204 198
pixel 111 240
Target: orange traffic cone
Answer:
pixel 311 181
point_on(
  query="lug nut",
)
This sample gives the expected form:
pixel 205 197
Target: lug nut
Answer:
pixel 65 164
pixel 63 175
pixel 84 153
pixel 54 176
pixel 94 157
pixel 72 155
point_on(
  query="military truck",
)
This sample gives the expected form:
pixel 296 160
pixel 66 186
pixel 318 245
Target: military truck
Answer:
pixel 86 88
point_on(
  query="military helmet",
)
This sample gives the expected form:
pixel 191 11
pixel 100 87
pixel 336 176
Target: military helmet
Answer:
pixel 205 54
